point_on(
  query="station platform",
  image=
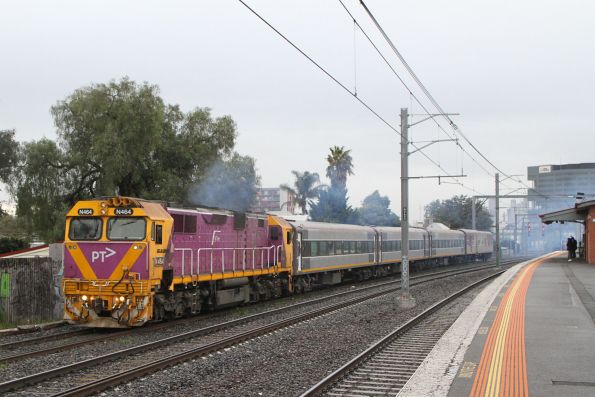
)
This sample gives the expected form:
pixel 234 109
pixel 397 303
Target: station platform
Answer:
pixel 530 332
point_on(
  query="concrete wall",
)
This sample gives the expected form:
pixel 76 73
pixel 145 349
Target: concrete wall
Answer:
pixel 30 290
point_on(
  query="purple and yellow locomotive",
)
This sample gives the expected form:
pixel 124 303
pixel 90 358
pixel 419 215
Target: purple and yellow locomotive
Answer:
pixel 128 261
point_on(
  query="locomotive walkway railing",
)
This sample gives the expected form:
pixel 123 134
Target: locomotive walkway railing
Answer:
pixel 231 259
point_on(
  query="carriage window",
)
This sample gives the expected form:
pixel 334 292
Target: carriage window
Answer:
pixel 313 248
pixel 338 247
pixel 323 248
pixel 85 229
pixel 306 249
pixel 331 247
pixel 131 229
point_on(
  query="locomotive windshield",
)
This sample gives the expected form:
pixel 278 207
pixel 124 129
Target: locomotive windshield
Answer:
pixel 85 229
pixel 126 228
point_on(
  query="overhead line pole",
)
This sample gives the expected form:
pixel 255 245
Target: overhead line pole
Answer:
pixel 497 219
pixel 406 300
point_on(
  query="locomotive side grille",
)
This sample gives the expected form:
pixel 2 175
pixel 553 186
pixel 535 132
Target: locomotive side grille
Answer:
pixel 106 287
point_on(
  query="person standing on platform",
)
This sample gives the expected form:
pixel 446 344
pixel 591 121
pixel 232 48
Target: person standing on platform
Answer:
pixel 569 248
pixel 574 246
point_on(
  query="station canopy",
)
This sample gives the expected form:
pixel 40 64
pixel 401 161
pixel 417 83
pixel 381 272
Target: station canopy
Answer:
pixel 577 214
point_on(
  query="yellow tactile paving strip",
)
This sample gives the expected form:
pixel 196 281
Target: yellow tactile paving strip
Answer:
pixel 502 368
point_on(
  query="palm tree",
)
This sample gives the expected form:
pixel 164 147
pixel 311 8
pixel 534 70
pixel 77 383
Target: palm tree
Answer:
pixel 340 165
pixel 306 186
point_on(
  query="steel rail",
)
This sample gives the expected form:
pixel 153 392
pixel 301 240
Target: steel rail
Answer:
pixel 39 377
pixel 45 338
pixel 331 380
pixel 153 327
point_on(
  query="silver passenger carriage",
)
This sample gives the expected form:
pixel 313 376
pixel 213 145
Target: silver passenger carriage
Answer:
pixel 446 242
pixel 389 244
pixel 325 246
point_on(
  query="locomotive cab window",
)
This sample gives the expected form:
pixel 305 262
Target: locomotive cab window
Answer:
pixel 158 234
pixel 126 228
pixel 85 229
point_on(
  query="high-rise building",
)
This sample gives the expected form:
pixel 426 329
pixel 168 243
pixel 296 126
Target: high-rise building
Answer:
pixel 555 187
pixel 273 199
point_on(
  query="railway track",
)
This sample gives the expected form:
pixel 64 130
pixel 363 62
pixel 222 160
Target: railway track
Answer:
pixel 33 347
pixel 385 367
pixel 90 376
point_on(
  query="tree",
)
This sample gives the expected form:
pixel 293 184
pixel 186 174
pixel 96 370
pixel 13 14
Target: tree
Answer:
pixel 121 138
pixel 456 213
pixel 306 187
pixel 118 138
pixel 375 211
pixel 9 150
pixel 229 184
pixel 331 206
pixel 9 244
pixel 340 165
pixel 41 186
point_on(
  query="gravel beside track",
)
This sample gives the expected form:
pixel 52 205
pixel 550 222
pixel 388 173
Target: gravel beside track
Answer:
pixel 289 361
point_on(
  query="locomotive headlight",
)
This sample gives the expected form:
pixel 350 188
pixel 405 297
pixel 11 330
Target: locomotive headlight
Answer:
pixel 84 298
pixel 121 299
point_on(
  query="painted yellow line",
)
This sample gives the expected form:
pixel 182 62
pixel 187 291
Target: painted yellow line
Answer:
pixel 502 367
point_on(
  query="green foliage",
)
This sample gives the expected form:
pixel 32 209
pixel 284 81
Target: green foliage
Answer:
pixel 9 151
pixel 229 184
pixel 456 213
pixel 340 165
pixel 306 187
pixel 9 244
pixel 332 206
pixel 8 154
pixel 42 185
pixel 10 226
pixel 118 138
pixel 375 211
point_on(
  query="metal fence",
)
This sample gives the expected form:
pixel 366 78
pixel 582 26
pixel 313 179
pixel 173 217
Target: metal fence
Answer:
pixel 30 290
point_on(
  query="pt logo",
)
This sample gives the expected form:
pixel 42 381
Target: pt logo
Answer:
pixel 102 254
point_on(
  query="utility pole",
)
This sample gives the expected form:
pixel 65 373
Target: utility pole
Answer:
pixel 473 215
pixel 405 300
pixel 515 235
pixel 497 219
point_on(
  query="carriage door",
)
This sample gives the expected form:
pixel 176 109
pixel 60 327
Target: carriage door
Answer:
pixel 426 244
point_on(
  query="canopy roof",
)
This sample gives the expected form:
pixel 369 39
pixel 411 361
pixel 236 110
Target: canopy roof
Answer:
pixel 576 214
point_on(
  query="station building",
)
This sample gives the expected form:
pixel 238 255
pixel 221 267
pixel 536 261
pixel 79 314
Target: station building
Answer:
pixel 582 212
pixel 555 188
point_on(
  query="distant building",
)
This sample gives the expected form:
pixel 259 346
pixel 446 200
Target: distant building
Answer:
pixel 555 188
pixel 273 199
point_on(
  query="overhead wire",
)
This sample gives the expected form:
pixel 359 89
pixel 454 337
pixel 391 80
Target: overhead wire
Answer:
pixel 386 61
pixel 455 128
pixel 353 94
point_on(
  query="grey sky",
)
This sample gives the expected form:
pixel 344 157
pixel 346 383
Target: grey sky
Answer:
pixel 519 72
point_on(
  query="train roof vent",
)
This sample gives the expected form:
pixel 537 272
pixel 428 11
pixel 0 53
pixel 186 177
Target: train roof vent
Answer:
pixel 437 226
